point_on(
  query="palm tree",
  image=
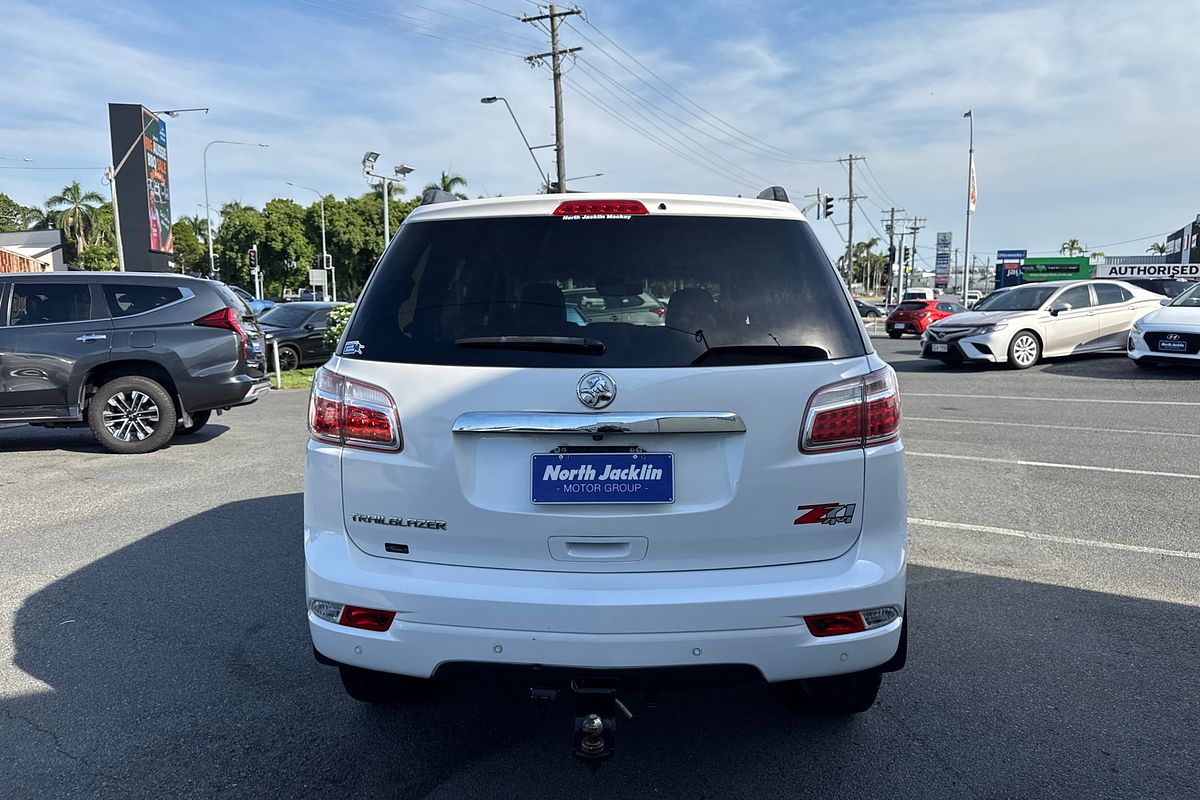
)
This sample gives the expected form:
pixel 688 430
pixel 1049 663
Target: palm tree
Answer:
pixel 449 182
pixel 75 207
pixel 42 218
pixel 395 189
pixel 1071 247
pixel 199 226
pixel 1158 249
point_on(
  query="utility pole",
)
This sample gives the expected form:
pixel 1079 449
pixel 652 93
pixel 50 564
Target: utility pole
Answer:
pixel 915 224
pixel 555 55
pixel 892 252
pixel 850 198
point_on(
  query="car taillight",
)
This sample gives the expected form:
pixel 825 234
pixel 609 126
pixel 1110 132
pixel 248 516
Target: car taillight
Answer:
pixel 352 413
pixel 845 622
pixel 226 318
pixel 660 311
pixel 861 412
pixel 572 208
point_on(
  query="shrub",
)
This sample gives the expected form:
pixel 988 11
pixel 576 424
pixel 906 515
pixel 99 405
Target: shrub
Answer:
pixel 338 317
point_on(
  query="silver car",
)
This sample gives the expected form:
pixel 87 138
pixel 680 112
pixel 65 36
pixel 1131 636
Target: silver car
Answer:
pixel 1041 320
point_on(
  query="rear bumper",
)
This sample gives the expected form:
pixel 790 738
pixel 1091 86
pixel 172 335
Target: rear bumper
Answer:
pixel 460 615
pixel 235 390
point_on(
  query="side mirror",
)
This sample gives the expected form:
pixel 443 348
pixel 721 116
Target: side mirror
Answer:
pixel 308 326
pixel 1058 308
pixel 1166 301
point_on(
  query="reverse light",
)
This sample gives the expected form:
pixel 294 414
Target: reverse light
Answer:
pixel 845 622
pixel 861 412
pixel 622 207
pixel 225 318
pixel 352 413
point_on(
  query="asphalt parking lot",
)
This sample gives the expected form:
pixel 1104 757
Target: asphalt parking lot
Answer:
pixel 153 642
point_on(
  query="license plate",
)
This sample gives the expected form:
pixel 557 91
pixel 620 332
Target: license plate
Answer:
pixel 1173 347
pixel 896 326
pixel 940 348
pixel 603 478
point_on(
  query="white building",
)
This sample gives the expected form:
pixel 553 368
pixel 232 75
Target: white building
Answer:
pixel 43 247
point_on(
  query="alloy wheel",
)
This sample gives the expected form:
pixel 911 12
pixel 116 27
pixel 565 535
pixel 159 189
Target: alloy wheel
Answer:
pixel 131 415
pixel 1025 350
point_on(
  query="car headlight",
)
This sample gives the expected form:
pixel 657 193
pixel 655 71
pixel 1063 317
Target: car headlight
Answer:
pixel 991 327
pixel 1137 326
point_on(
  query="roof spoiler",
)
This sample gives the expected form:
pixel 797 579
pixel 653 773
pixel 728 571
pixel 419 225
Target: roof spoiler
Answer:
pixel 774 193
pixel 431 196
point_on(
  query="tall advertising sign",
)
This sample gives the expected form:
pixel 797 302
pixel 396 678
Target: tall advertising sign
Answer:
pixel 142 186
pixel 941 266
pixel 158 189
pixel 1009 264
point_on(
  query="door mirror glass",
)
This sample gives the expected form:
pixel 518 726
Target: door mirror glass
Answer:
pixel 1166 301
pixel 1058 308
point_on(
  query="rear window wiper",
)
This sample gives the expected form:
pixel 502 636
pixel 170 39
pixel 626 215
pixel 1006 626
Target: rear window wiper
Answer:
pixel 760 354
pixel 541 344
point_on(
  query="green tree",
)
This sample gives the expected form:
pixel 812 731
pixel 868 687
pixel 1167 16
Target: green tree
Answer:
pixel 100 257
pixel 75 208
pixel 104 227
pixel 13 215
pixel 41 218
pixel 240 229
pixel 191 258
pixel 285 252
pixel 1158 249
pixel 449 182
pixel 1072 247
pixel 199 226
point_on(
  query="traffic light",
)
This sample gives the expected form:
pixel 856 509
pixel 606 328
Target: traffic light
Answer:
pixel 827 202
pixel 253 254
pixel 907 256
pixel 328 261
pixel 891 254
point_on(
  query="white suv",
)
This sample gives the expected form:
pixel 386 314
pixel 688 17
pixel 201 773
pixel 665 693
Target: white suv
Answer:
pixel 719 492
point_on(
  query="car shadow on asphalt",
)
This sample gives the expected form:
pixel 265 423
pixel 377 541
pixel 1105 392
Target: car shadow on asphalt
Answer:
pixel 31 439
pixel 180 666
pixel 1118 367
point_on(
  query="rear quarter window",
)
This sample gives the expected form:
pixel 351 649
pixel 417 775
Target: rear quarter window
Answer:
pixel 688 287
pixel 127 299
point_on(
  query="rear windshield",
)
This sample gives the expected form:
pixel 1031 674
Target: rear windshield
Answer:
pixel 911 306
pixel 286 316
pixel 649 291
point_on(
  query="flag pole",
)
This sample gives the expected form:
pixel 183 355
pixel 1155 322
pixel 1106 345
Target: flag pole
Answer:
pixel 970 207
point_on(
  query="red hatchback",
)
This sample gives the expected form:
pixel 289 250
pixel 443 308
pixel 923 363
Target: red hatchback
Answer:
pixel 914 316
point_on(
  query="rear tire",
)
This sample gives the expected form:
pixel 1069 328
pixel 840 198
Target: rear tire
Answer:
pixel 895 334
pixel 199 420
pixel 1024 350
pixel 382 688
pixel 289 358
pixel 837 694
pixel 132 414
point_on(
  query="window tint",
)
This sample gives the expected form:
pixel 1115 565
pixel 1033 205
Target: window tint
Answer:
pixel 43 303
pixel 911 305
pixel 1077 296
pixel 954 308
pixel 319 319
pixel 285 316
pixel 654 291
pixel 1107 293
pixel 126 299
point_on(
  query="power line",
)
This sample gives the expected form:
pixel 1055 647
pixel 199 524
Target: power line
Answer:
pixel 878 185
pixel 493 10
pixel 490 28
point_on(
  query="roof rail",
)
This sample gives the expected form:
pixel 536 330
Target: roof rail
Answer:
pixel 774 193
pixel 430 196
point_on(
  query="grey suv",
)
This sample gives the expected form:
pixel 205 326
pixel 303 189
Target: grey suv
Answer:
pixel 138 357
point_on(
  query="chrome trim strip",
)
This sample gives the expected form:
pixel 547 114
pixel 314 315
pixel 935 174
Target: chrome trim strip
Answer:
pixel 526 422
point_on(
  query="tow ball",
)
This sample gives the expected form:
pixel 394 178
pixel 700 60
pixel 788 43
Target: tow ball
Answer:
pixel 596 707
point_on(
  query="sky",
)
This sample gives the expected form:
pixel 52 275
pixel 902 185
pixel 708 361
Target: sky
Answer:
pixel 1085 113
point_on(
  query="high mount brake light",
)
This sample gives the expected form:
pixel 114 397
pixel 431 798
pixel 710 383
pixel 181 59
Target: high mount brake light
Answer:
pixel 225 318
pixel 861 412
pixel 352 413
pixel 621 207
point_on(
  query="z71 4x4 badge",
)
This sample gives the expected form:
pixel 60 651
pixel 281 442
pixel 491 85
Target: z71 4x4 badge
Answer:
pixel 825 514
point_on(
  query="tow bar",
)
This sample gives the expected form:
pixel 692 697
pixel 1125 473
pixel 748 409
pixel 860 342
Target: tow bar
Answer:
pixel 596 708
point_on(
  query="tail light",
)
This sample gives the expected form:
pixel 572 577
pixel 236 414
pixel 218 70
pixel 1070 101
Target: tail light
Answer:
pixel 352 413
pixel 367 619
pixel 861 412
pixel 226 318
pixel 660 311
pixel 845 622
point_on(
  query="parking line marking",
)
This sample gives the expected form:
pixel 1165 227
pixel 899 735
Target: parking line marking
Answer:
pixel 1050 427
pixel 1052 399
pixel 1046 537
pixel 1084 467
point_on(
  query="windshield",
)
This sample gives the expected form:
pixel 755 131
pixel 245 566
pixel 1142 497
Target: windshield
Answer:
pixel 986 303
pixel 1023 298
pixel 285 316
pixel 1190 298
pixel 643 291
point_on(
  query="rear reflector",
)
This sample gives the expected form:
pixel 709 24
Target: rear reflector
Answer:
pixel 622 207
pixel 226 318
pixel 845 622
pixel 367 619
pixel 352 413
pixel 860 412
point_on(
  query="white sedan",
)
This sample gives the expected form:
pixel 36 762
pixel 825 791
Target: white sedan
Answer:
pixel 1170 334
pixel 1041 320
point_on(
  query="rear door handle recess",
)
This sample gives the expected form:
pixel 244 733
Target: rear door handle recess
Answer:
pixel 91 337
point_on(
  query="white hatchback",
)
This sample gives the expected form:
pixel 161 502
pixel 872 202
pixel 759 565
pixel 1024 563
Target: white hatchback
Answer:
pixel 1170 334
pixel 494 484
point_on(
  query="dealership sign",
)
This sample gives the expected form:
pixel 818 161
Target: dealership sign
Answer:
pixel 1177 271
pixel 941 266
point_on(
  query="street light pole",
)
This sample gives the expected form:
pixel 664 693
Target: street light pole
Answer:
pixel 970 205
pixel 212 268
pixel 542 176
pixel 111 172
pixel 385 181
pixel 324 258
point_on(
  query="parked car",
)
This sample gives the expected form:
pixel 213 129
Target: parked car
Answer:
pixel 868 310
pixel 490 487
pixel 1168 287
pixel 919 293
pixel 138 357
pixel 1039 320
pixel 256 305
pixel 299 329
pixel 1170 334
pixel 619 302
pixel 972 298
pixel 914 316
